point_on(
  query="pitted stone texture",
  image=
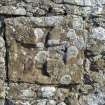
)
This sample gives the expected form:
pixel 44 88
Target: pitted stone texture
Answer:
pixel 11 10
pixel 96 48
pixel 20 102
pixel 92 98
pixel 98 33
pixel 49 7
pixel 64 74
pixel 96 97
pixel 47 91
pixel 49 21
pixel 78 23
pixel 45 102
pixel 25 34
pixel 37 94
pixel 22 91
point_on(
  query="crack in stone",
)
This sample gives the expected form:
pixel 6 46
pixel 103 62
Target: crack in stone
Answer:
pixel 6 55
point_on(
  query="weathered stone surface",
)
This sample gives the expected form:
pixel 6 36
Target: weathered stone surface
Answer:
pixel 47 91
pixel 94 98
pixel 37 94
pixel 11 10
pixel 20 102
pixel 52 52
pixel 22 91
pixel 66 79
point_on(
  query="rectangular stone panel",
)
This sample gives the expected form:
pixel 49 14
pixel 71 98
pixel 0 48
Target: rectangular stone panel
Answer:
pixel 41 53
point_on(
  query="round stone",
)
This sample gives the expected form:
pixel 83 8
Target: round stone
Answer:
pixel 99 33
pixel 80 43
pixel 48 91
pixel 38 32
pixel 66 79
pixel 72 52
pixel 71 34
pixel 20 11
pixel 41 57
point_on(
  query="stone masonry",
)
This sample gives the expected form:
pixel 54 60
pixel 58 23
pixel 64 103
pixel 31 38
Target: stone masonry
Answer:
pixel 52 52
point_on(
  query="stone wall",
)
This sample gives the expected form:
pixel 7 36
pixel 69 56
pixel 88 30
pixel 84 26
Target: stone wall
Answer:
pixel 52 52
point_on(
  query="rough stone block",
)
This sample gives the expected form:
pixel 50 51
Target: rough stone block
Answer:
pixel 29 63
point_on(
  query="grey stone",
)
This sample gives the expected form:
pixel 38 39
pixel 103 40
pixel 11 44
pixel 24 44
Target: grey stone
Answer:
pixel 96 99
pixel 27 93
pixel 99 33
pixel 62 103
pixel 20 11
pixel 38 32
pixel 39 11
pixel 77 23
pixel 72 52
pixel 12 10
pixel 41 102
pixel 80 43
pixel 53 42
pixel 51 102
pixel 71 34
pixel 48 92
pixel 54 20
pixel 66 79
pixel 40 45
pixel 41 57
